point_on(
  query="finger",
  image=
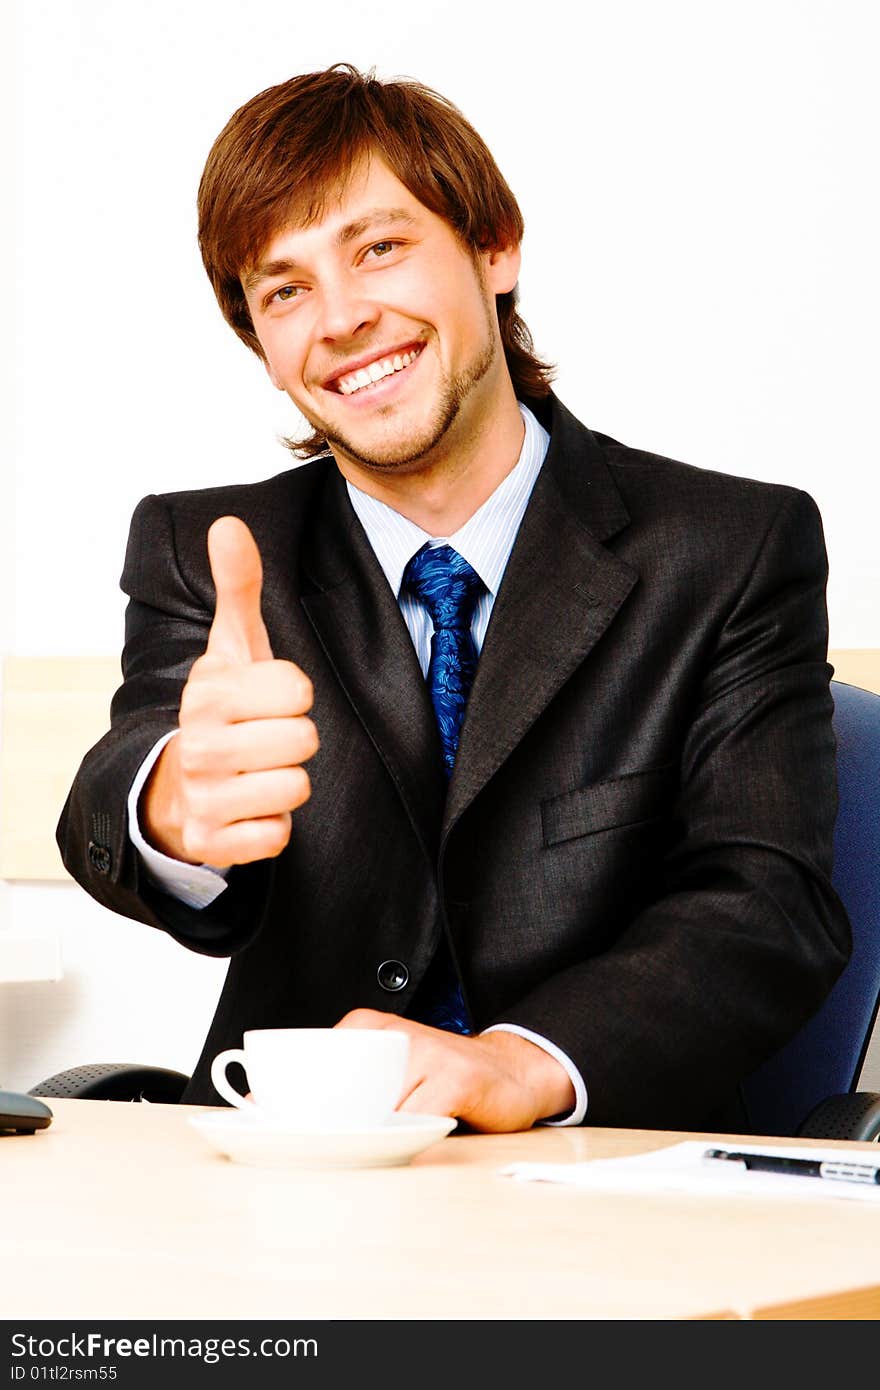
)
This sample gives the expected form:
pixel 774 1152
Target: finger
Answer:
pixel 218 750
pixel 248 796
pixel 372 1018
pixel 429 1097
pixel 259 690
pixel 241 843
pixel 237 632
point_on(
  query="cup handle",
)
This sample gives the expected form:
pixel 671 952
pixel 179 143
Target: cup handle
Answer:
pixel 222 1085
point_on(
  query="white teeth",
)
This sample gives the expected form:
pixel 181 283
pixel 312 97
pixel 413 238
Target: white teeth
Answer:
pixel 375 371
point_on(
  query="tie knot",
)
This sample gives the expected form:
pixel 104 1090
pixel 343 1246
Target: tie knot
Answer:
pixel 446 584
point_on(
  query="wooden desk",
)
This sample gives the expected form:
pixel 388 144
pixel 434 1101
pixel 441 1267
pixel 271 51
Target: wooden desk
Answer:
pixel 121 1211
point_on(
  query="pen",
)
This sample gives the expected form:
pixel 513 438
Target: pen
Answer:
pixel 801 1167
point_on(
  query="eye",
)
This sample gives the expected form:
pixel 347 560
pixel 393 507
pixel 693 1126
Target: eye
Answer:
pixel 286 293
pixel 382 248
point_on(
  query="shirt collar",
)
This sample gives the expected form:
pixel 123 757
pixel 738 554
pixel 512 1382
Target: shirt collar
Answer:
pixel 486 538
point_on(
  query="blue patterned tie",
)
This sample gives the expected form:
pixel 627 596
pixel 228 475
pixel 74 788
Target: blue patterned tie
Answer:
pixel 447 586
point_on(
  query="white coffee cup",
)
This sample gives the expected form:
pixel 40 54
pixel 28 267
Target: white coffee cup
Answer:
pixel 319 1078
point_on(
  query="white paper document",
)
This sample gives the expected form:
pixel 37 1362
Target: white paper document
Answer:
pixel 684 1168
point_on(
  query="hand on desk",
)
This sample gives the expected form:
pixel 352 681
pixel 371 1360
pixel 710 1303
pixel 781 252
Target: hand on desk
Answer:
pixel 496 1082
pixel 222 791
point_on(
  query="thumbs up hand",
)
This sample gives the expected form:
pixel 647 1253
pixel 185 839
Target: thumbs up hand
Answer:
pixel 223 789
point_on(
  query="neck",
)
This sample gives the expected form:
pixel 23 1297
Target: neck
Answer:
pixel 442 492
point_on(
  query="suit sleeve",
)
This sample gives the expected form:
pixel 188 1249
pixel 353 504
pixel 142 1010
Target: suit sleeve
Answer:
pixel 166 628
pixel 748 935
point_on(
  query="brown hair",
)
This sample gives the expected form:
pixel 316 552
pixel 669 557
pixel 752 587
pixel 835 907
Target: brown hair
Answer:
pixel 283 153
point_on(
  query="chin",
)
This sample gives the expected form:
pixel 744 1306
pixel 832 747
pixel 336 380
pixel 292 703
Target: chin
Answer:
pixel 399 456
pixel 393 451
pixel 406 452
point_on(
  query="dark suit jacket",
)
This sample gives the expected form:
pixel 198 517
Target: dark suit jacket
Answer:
pixel 633 856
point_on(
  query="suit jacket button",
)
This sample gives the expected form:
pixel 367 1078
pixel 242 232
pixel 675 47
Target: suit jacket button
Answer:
pixel 99 858
pixel 392 975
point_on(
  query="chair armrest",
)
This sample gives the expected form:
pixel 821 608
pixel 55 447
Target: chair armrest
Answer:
pixel 853 1116
pixel 115 1081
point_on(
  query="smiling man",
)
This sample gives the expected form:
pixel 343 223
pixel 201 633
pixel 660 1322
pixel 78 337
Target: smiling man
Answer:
pixel 478 723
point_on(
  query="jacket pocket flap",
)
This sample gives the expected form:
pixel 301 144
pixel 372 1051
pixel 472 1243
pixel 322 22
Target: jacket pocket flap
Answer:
pixel 625 800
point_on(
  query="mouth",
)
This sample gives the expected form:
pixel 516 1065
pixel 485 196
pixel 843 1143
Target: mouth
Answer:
pixel 366 376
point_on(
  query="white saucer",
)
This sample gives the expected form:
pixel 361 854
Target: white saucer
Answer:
pixel 254 1139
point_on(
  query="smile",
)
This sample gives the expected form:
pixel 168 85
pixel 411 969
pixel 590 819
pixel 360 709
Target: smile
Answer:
pixel 367 376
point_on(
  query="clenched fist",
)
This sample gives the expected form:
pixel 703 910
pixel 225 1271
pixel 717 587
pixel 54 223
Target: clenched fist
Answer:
pixel 223 789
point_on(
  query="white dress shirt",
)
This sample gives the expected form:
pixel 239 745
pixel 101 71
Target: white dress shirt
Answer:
pixel 485 541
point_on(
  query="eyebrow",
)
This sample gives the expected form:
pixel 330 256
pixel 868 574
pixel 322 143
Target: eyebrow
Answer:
pixel 350 231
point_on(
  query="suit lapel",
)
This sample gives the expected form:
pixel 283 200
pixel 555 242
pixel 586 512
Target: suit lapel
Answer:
pixel 561 590
pixel 357 620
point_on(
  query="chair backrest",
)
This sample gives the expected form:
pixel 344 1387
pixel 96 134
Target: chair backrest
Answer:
pixel 825 1058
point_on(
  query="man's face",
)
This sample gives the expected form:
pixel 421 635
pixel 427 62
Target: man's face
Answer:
pixel 381 326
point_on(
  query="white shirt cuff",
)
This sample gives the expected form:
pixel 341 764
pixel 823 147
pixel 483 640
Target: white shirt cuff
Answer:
pixel 194 885
pixel 577 1081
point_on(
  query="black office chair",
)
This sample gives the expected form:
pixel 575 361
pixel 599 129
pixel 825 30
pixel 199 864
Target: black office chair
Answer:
pixel 115 1081
pixel 808 1088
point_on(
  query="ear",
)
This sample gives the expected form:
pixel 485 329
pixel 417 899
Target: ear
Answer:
pixel 502 268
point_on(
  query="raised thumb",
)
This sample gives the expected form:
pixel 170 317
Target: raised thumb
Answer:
pixel 237 633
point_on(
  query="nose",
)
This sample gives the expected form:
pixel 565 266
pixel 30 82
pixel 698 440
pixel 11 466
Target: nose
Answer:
pixel 345 309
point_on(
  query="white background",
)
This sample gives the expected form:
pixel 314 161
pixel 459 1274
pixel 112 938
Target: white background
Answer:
pixel 699 183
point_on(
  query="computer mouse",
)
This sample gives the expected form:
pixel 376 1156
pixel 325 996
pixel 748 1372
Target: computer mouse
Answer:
pixel 21 1114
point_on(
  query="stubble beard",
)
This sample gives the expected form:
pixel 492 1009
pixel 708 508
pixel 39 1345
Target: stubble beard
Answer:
pixel 422 448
